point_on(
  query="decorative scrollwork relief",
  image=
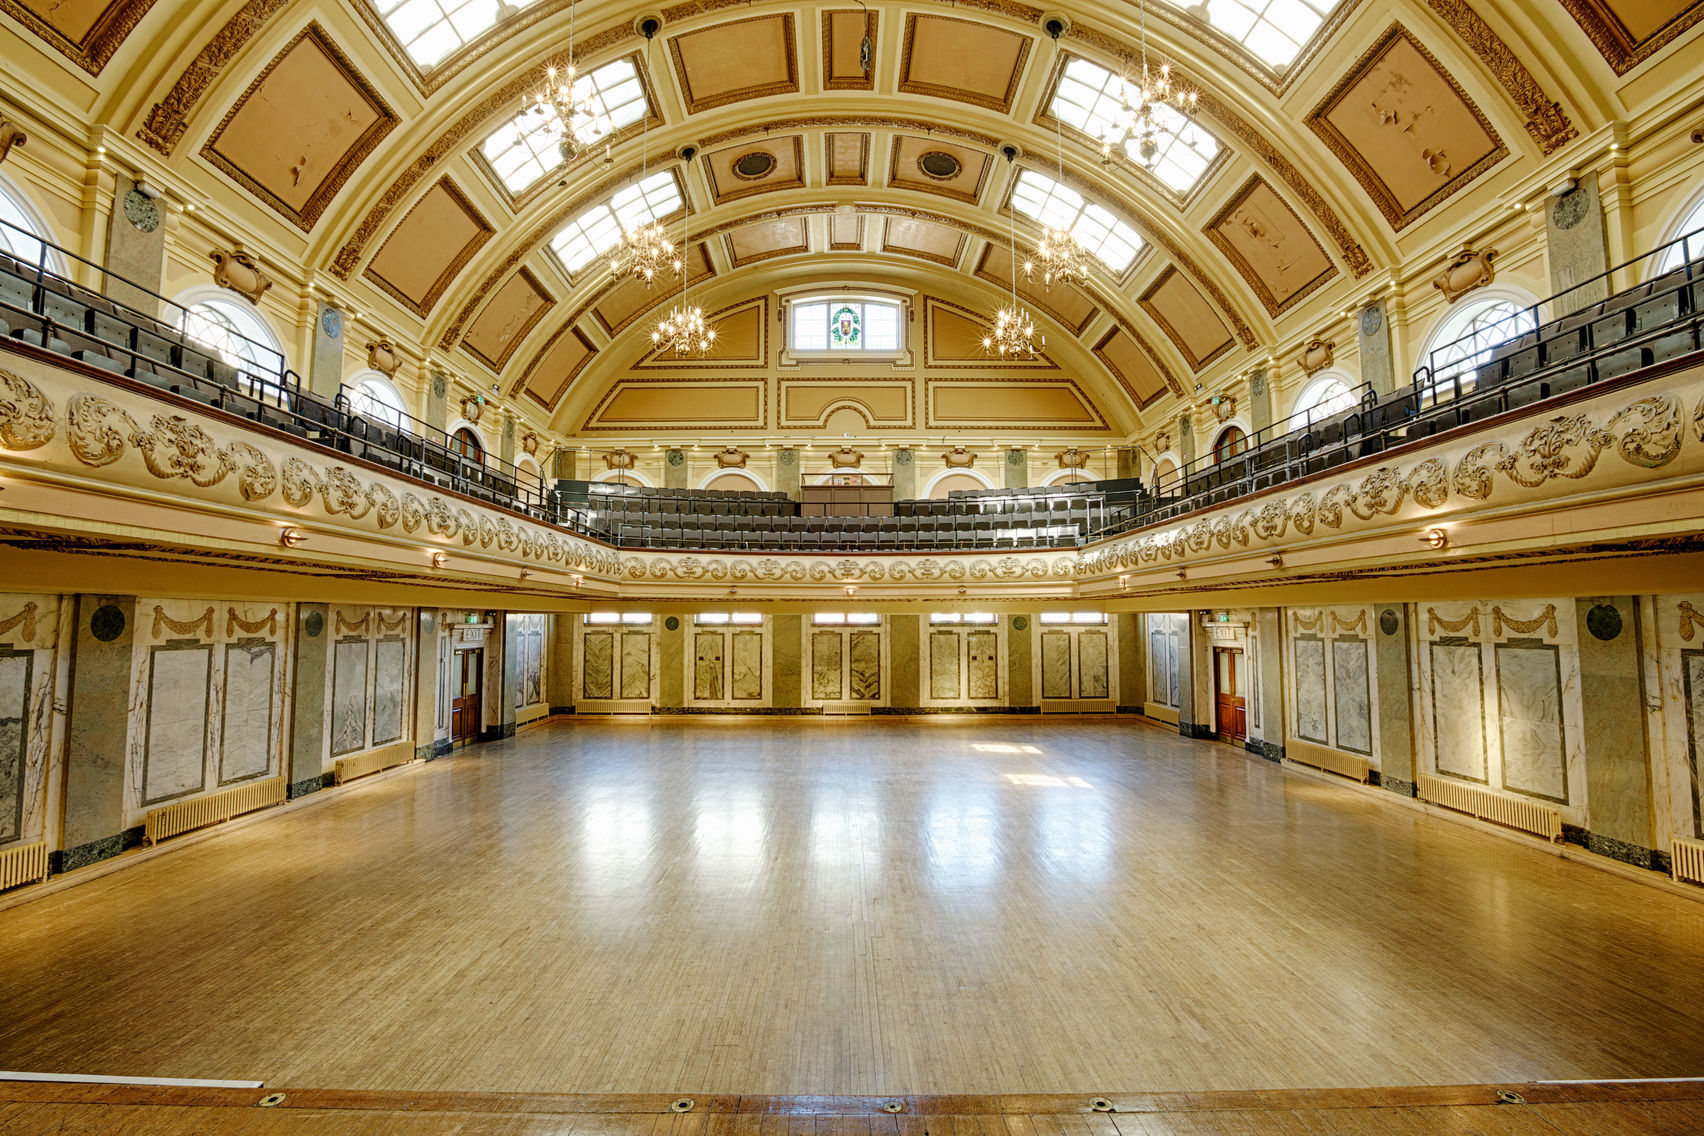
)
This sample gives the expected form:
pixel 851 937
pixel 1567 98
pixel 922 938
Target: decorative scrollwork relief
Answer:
pixel 26 415
pixel 1655 431
pixel 93 430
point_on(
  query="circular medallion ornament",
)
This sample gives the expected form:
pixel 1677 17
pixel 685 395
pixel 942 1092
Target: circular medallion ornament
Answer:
pixel 1604 622
pixel 438 386
pixel 902 457
pixel 1020 623
pixel 142 211
pixel 672 623
pixel 313 624
pixel 107 623
pixel 1388 623
pixel 754 165
pixel 1371 320
pixel 1569 209
pixel 787 457
pixel 331 322
pixel 940 165
pixel 676 457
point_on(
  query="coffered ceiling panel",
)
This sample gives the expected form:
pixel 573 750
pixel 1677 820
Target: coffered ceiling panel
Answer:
pixel 843 34
pixel 1270 246
pixel 627 300
pixel 556 365
pixel 519 304
pixel 741 59
pixel 1187 318
pixel 962 59
pixel 741 341
pixel 933 166
pixel 845 231
pixel 1132 366
pixel 431 244
pixel 780 237
pixel 848 158
pixel 926 239
pixel 1629 31
pixel 1064 302
pixel 1405 128
pixel 85 31
pixel 300 130
pixel 756 167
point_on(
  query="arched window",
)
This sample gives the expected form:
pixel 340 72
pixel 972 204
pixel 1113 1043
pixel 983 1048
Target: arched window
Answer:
pixel 1329 394
pixel 22 226
pixel 1068 477
pixel 466 443
pixel 1231 443
pixel 1470 329
pixel 239 333
pixel 372 396
pixel 1693 249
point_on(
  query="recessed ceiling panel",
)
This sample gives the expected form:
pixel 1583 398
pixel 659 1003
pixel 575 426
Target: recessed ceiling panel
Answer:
pixel 1405 128
pixel 1064 302
pixel 519 304
pixel 933 166
pixel 780 237
pixel 1186 317
pixel 848 158
pixel 927 239
pixel 1132 366
pixel 845 231
pixel 86 31
pixel 1270 246
pixel 741 59
pixel 953 339
pixel 628 300
pixel 683 405
pixel 741 341
pixel 756 167
pixel 848 44
pixel 429 247
pixel 1016 405
pixel 962 59
pixel 1628 32
pixel 555 367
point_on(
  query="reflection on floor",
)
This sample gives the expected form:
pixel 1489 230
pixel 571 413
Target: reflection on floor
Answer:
pixel 865 907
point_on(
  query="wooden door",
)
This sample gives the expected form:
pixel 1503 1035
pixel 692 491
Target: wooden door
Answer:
pixel 467 677
pixel 1232 707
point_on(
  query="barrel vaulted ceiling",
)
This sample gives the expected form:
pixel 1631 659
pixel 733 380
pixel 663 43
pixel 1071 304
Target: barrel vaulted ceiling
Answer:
pixel 373 142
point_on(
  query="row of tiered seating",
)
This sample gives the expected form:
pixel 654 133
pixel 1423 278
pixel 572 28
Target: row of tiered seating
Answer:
pixel 868 534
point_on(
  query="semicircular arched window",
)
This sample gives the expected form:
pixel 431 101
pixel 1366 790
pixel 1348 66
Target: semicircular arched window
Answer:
pixel 466 443
pixel 1325 396
pixel 1692 248
pixel 1231 443
pixel 1466 335
pixel 373 397
pixel 21 234
pixel 241 337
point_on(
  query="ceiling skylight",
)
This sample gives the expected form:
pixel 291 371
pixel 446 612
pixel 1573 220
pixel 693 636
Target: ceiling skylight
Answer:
pixel 1039 197
pixel 523 150
pixel 597 230
pixel 1087 98
pixel 1274 30
pixel 432 29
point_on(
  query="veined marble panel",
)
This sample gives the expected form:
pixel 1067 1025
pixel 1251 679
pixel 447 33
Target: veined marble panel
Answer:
pixel 983 667
pixel 1093 680
pixel 943 664
pixel 1159 686
pixel 747 684
pixel 1529 699
pixel 864 665
pixel 174 756
pixel 1056 664
pixel 1458 709
pixel 390 678
pixel 1174 661
pixel 825 665
pixel 1692 677
pixel 532 681
pixel 635 664
pixel 1310 689
pixel 707 665
pixel 348 696
pixel 1352 694
pixel 245 743
pixel 15 668
pixel 597 678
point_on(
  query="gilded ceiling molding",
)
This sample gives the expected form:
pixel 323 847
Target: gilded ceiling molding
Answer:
pixel 434 293
pixel 1546 121
pixel 1620 50
pixel 910 86
pixel 1154 357
pixel 1171 248
pixel 104 37
pixel 933 127
pixel 787 86
pixel 167 121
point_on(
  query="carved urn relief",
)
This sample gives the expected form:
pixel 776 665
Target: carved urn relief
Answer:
pixel 11 134
pixel 239 272
pixel 618 459
pixel 1469 270
pixel 1072 458
pixel 731 458
pixel 846 458
pixel 1317 356
pixel 959 458
pixel 382 357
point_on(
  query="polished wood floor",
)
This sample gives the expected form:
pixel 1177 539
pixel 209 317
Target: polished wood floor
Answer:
pixel 782 906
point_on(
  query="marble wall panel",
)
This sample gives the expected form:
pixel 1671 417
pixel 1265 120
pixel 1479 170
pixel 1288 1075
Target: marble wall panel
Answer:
pixel 390 677
pixel 180 696
pixel 983 670
pixel 1692 678
pixel 1093 680
pixel 15 674
pixel 636 664
pixel 1056 664
pixel 707 666
pixel 746 683
pixel 349 696
pixel 1176 659
pixel 1352 694
pixel 532 673
pixel 944 665
pixel 864 665
pixel 1529 699
pixel 826 682
pixel 1458 709
pixel 1159 681
pixel 597 678
pixel 245 733
pixel 1310 689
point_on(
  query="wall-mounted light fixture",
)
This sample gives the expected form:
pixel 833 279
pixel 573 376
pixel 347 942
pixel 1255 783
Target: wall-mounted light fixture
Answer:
pixel 439 559
pixel 290 536
pixel 1276 560
pixel 851 589
pixel 578 579
pixel 525 572
pixel 1435 538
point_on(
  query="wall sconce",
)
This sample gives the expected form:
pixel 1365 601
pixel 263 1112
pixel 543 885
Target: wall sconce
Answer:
pixel 291 536
pixel 578 579
pixel 1276 560
pixel 1182 574
pixel 851 590
pixel 1124 583
pixel 525 572
pixel 439 559
pixel 1435 538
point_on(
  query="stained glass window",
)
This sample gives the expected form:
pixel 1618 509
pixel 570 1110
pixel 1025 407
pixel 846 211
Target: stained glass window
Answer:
pixel 845 325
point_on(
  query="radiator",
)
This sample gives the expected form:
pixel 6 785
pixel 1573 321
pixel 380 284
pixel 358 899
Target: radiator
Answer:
pixel 1686 860
pixel 1475 800
pixel 361 764
pixel 170 820
pixel 24 864
pixel 1336 761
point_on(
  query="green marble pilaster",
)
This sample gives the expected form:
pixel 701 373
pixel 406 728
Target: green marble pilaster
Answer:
pixel 1020 683
pixel 1269 626
pixel 1132 662
pixel 785 657
pixel 1393 702
pixel 787 472
pixel 904 474
pixel 425 684
pixel 437 399
pixel 905 646
pixel 1185 439
pixel 1259 400
pixel 1016 469
pixel 325 367
pixel 1129 462
pixel 511 672
pixel 506 439
pixel 1576 245
pixel 307 724
pixel 559 675
pixel 675 469
pixel 136 255
pixel 671 661
pixel 96 732
pixel 1378 366
pixel 1612 703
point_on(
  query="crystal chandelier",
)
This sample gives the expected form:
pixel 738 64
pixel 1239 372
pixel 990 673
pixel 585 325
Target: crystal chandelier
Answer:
pixel 1137 118
pixel 1014 330
pixel 645 251
pixel 684 331
pixel 1060 257
pixel 571 117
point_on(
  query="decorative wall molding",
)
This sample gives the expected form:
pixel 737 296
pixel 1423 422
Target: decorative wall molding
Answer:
pixel 169 118
pixel 239 272
pixel 1465 272
pixel 11 134
pixel 1546 121
pixel 362 626
pixel 114 23
pixel 164 622
pixel 267 623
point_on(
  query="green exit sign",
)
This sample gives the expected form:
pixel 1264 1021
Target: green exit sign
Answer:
pixel 471 618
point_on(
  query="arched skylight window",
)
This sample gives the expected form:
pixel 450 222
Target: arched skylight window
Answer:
pixel 1089 96
pixel 20 228
pixel 1327 395
pixel 432 29
pixel 1692 249
pixel 1466 335
pixel 374 397
pixel 240 335
pixel 523 150
pixel 1273 30
pixel 597 230
pixel 1039 197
